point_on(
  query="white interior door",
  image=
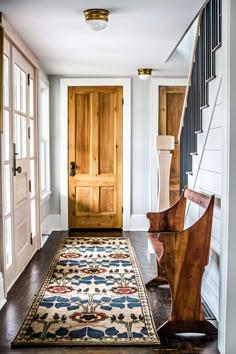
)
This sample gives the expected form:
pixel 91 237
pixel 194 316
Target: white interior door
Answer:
pixel 19 197
pixel 21 166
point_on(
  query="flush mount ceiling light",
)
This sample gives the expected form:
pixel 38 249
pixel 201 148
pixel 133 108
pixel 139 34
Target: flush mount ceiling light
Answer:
pixel 144 73
pixel 97 19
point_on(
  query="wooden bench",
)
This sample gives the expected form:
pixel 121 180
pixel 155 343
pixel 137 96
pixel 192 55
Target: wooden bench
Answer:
pixel 182 256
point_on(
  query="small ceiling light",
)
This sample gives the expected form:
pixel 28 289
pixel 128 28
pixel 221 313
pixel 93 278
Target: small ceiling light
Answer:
pixel 144 74
pixel 97 19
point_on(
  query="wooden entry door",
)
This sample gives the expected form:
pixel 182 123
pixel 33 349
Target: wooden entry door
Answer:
pixel 95 157
pixel 171 100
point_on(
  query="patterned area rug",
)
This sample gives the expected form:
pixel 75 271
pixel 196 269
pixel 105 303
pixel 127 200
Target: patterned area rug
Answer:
pixel 93 295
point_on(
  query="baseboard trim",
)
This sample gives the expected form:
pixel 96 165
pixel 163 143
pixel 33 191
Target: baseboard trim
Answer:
pixel 2 303
pixel 2 298
pixel 139 223
pixel 51 223
pixel 210 298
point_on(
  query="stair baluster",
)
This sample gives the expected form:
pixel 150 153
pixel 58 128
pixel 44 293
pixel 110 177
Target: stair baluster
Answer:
pixel 201 73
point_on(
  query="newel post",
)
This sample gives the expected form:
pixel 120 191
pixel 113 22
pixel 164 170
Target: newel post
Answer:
pixel 164 145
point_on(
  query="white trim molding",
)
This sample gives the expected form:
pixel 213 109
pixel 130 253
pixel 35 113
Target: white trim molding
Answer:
pixel 45 197
pixel 2 298
pixel 156 83
pixel 227 309
pixel 51 223
pixel 126 84
pixel 139 223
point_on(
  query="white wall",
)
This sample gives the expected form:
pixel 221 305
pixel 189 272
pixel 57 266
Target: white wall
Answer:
pixel 54 98
pixel 140 143
pixel 48 221
pixel 207 178
pixel 45 204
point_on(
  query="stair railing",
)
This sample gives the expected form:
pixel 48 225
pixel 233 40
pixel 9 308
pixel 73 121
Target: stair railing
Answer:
pixel 202 71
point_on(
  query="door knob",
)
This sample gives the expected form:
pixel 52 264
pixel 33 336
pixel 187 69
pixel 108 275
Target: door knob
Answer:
pixel 14 168
pixel 18 169
pixel 72 168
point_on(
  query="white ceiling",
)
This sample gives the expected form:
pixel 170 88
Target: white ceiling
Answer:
pixel 140 33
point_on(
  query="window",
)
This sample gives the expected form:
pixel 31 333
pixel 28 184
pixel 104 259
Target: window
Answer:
pixel 44 143
pixel 6 166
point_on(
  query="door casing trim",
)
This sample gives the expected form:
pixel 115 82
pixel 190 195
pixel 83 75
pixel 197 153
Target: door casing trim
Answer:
pixel 64 84
pixel 156 83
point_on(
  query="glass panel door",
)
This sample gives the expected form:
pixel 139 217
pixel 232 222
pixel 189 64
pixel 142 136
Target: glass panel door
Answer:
pixel 21 164
pixel 32 158
pixel 7 201
pixel 20 199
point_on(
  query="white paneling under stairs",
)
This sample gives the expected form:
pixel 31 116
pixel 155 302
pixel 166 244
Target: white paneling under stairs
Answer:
pixel 207 178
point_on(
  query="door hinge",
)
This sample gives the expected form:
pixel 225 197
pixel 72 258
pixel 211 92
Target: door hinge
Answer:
pixel 30 185
pixel 31 238
pixel 28 78
pixel 122 100
pixel 122 209
pixel 28 132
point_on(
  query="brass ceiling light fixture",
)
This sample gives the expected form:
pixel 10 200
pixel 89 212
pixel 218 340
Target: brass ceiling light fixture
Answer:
pixel 144 73
pixel 96 19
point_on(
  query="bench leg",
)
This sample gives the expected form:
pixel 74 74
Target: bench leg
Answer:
pixel 159 279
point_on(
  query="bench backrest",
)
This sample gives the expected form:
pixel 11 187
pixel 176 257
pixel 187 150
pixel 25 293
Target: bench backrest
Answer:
pixel 198 198
pixel 172 219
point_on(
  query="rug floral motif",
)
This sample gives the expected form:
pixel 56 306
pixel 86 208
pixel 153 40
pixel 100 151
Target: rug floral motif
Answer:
pixel 93 294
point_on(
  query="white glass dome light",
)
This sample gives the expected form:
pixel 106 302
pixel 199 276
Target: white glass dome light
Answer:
pixel 96 19
pixel 144 73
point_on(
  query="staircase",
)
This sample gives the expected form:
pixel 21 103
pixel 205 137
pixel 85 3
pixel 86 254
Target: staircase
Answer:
pixel 202 72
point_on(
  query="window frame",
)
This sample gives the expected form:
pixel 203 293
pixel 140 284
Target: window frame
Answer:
pixel 44 137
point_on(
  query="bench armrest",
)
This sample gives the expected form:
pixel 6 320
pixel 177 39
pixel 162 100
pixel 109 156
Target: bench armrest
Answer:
pixel 171 219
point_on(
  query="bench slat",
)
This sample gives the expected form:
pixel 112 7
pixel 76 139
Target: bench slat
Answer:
pixel 198 198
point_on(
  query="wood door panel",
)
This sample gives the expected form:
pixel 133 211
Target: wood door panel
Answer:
pixel 22 236
pixel 107 200
pixel 82 134
pixel 103 221
pixel 21 213
pixel 83 197
pixel 107 157
pixel 171 104
pixel 95 144
pixel 22 246
pixel 21 190
pixel 174 110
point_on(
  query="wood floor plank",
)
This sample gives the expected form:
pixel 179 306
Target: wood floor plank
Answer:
pixel 22 294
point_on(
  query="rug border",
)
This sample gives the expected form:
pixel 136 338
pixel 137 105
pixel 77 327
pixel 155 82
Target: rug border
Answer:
pixel 143 298
pixel 39 293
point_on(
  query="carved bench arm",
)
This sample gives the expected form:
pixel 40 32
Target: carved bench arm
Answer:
pixel 170 219
pixel 156 221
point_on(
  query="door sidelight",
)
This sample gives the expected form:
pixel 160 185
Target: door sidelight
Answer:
pixel 72 168
pixel 14 168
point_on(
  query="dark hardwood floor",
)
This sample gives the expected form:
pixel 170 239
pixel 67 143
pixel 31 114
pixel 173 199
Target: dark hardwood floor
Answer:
pixel 22 294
